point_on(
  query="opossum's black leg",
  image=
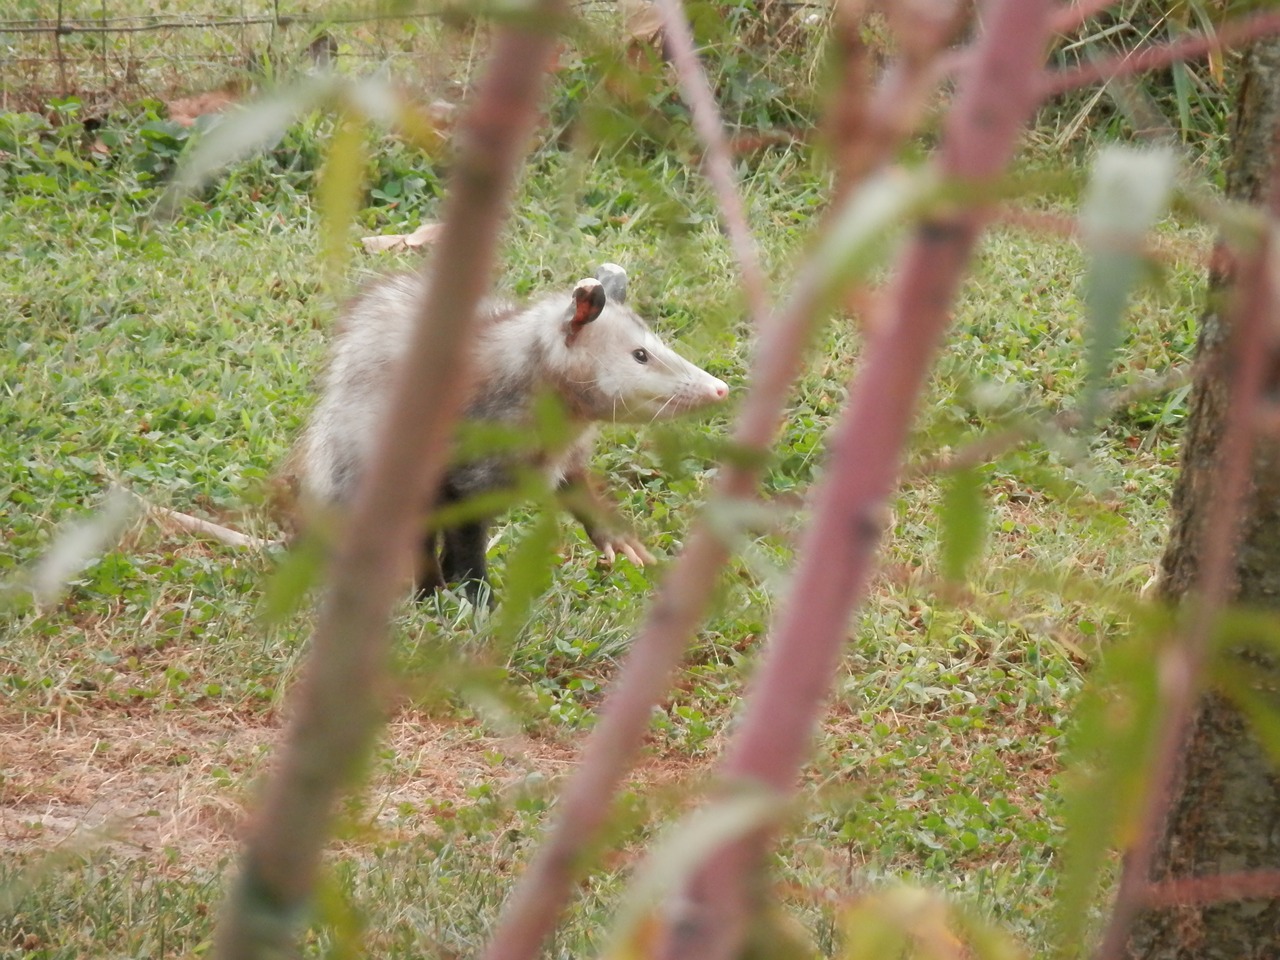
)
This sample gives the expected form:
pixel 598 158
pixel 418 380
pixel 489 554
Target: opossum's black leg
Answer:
pixel 463 558
pixel 429 577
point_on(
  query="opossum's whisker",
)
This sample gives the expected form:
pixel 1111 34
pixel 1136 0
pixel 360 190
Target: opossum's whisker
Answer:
pixel 669 401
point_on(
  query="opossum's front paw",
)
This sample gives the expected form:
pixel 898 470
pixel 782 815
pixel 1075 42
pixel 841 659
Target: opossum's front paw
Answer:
pixel 613 544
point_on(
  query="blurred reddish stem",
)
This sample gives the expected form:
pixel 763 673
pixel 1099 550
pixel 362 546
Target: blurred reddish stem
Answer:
pixel 335 709
pixel 1234 33
pixel 1191 891
pixel 719 158
pixel 709 920
pixel 679 607
pixel 866 126
pixel 1071 18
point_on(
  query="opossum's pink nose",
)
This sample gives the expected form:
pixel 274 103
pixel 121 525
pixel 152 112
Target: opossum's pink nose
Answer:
pixel 719 389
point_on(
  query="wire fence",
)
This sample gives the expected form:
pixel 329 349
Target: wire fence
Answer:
pixel 101 55
pixel 104 55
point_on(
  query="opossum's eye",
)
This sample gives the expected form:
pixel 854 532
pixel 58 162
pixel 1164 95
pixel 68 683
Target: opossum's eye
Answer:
pixel 641 355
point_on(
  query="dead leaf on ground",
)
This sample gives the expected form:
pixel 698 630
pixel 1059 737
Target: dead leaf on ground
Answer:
pixel 442 112
pixel 641 20
pixel 186 110
pixel 425 234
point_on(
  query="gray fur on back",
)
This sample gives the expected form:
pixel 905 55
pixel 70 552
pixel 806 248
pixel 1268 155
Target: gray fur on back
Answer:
pixel 370 341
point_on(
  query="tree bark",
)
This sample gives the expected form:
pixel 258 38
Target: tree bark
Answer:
pixel 1226 817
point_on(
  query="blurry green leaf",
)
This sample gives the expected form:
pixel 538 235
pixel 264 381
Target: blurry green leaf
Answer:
pixel 987 941
pixel 856 241
pixel 551 421
pixel 341 919
pixel 528 573
pixel 481 438
pixel 1250 683
pixel 1129 191
pixel 1108 773
pixel 1263 712
pixel 913 922
pixel 27 875
pixel 299 569
pixel 776 935
pixel 243 132
pixel 1242 226
pixel 869 934
pixel 76 545
pixel 674 858
pixel 1241 626
pixel 340 193
pixel 376 99
pixel 963 513
pixel 482 505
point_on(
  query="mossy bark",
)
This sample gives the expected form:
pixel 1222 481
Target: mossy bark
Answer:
pixel 1226 816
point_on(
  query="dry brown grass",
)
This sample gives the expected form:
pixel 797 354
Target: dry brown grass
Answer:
pixel 150 785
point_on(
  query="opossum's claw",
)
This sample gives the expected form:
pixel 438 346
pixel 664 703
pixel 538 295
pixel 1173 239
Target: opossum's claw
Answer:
pixel 636 553
pixel 611 545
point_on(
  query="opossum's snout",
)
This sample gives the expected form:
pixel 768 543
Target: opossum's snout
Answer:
pixel 692 391
pixel 703 390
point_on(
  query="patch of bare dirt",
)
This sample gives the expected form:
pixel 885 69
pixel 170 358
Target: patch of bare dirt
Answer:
pixel 155 785
pixel 139 783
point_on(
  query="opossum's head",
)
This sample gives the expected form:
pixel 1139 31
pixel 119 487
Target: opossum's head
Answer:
pixel 616 368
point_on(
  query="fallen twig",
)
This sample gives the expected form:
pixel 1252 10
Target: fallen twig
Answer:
pixel 207 528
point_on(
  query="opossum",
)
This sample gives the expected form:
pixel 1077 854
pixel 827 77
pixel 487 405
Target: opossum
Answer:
pixel 586 347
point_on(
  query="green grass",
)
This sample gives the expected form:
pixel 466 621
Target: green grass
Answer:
pixel 178 359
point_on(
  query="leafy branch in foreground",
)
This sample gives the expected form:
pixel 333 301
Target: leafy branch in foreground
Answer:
pixel 336 710
pixel 712 916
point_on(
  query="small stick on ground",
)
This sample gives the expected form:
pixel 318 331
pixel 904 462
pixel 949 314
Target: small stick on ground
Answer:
pixel 207 528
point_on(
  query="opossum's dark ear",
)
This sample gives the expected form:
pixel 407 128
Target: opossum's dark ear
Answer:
pixel 614 280
pixel 588 301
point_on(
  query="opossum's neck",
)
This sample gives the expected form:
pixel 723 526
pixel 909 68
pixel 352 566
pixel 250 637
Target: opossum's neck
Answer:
pixel 524 353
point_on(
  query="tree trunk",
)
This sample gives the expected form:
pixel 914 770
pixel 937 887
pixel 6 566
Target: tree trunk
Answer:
pixel 1226 817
